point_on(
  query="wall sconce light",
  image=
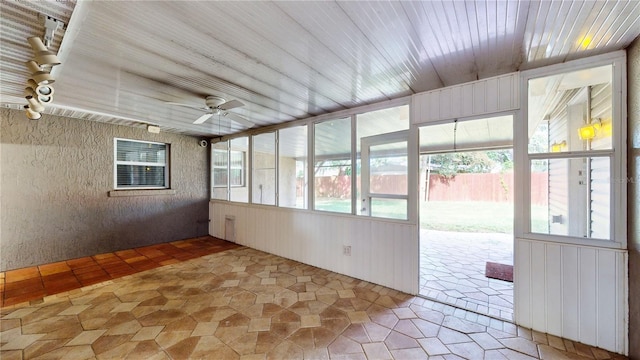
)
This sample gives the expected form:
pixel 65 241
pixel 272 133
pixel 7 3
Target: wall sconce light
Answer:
pixel 558 146
pixel 589 131
pixel 42 55
pixel 32 115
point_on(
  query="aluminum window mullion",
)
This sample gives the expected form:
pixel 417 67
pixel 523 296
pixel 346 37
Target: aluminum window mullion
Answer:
pixel 571 154
pixel 355 205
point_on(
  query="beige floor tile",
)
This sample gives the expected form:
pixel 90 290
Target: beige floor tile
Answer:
pixel 357 317
pixel 268 281
pixel 376 351
pixel 306 296
pixel 125 307
pixel 404 313
pixel 230 283
pixel 147 333
pixel 86 337
pixel 345 294
pixel 20 342
pixel 260 324
pixel 74 310
pixel 264 298
pixel 217 307
pixel 310 321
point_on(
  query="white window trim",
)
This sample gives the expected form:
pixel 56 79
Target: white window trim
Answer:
pixel 166 165
pixel 242 167
pixel 618 190
pixel 228 167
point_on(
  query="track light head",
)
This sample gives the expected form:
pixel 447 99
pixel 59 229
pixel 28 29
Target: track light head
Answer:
pixel 34 104
pixel 42 55
pixel 32 115
pixel 41 90
pixel 42 99
pixel 38 75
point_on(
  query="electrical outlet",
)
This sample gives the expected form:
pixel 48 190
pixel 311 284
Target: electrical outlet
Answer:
pixel 346 250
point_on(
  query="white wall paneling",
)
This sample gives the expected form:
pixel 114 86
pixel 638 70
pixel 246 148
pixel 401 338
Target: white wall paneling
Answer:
pixel 382 252
pixel 488 96
pixel 572 291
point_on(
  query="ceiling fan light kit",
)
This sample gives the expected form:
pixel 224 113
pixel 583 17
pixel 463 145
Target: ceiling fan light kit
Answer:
pixel 39 90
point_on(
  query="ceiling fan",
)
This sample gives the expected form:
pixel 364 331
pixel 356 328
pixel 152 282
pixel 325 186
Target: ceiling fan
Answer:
pixel 216 105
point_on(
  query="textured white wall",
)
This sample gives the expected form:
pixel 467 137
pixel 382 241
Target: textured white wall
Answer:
pixel 55 175
pixel 633 161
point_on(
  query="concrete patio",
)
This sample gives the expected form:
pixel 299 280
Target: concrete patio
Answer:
pixel 452 271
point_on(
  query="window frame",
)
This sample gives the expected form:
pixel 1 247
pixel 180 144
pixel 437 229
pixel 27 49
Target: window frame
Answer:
pixel 617 154
pixel 166 165
pixel 228 168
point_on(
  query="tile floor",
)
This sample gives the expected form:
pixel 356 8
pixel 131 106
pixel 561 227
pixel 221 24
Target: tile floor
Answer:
pixel 452 271
pixel 242 303
pixel 35 282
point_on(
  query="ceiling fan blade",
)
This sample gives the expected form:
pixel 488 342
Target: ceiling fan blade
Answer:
pixel 240 120
pixel 230 105
pixel 203 118
pixel 187 106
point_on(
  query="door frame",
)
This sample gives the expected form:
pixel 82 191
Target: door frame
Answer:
pixel 366 195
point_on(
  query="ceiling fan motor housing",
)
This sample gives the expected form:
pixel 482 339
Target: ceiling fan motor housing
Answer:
pixel 214 101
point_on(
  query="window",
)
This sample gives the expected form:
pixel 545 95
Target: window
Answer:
pixel 332 169
pixel 229 170
pixel 234 167
pixel 388 167
pixel 141 164
pixel 238 149
pixel 219 177
pixel 292 167
pixel 264 169
pixel 571 152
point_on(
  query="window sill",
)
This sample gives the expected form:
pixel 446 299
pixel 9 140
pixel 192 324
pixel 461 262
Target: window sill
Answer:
pixel 149 192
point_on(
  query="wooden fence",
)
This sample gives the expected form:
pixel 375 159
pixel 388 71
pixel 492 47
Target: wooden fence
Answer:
pixel 492 187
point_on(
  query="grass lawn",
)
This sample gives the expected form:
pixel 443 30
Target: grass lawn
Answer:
pixel 467 216
pixel 462 216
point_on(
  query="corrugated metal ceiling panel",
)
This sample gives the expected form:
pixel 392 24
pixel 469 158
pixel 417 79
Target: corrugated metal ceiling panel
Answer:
pixel 292 60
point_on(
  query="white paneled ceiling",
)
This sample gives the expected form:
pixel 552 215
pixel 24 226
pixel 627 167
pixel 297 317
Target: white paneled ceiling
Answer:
pixel 124 60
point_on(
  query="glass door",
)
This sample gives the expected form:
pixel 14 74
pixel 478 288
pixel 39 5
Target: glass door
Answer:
pixel 385 175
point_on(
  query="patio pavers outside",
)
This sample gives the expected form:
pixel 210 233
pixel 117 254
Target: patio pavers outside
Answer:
pixel 452 270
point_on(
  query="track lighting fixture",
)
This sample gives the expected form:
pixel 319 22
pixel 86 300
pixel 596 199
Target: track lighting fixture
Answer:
pixel 39 90
pixel 42 55
pixel 38 75
pixel 32 115
pixel 43 99
pixel 34 104
pixel 50 27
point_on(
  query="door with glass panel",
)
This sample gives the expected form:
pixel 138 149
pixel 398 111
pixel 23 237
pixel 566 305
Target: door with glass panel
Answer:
pixel 384 176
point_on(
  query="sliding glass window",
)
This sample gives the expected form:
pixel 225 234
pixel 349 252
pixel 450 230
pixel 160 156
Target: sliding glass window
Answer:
pixel 332 166
pixel 263 186
pixel 238 187
pixel 219 170
pixel 292 167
